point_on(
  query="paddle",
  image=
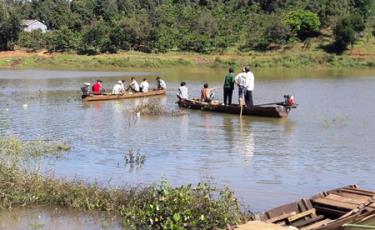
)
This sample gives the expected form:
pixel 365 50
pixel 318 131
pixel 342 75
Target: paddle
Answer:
pixel 242 103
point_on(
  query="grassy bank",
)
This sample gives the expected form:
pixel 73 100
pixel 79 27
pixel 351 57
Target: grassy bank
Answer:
pixel 157 206
pixel 299 55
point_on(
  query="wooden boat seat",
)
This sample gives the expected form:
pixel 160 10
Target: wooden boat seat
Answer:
pixel 335 203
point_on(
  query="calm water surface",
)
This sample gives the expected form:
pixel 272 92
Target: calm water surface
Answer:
pixel 328 141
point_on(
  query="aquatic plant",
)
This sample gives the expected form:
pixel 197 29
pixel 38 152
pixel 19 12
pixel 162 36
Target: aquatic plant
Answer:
pixel 16 148
pixel 134 158
pixel 154 206
pixel 154 108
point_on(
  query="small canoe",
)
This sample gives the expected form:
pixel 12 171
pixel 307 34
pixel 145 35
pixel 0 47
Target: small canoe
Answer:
pixel 325 211
pixel 104 97
pixel 278 110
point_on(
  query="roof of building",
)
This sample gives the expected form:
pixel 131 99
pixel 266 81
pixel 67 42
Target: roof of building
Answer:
pixel 29 22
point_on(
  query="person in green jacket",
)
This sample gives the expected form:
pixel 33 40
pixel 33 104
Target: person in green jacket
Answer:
pixel 228 87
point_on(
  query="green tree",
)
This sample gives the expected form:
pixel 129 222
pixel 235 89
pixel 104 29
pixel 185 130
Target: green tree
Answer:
pixel 93 38
pixel 33 41
pixel 9 27
pixel 303 23
pixel 344 34
pixel 62 40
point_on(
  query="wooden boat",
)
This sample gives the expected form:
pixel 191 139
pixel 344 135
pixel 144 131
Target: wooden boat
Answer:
pixel 104 97
pixel 325 211
pixel 277 110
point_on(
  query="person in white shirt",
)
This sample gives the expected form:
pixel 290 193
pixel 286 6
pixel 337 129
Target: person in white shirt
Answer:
pixel 118 88
pixel 161 83
pixel 240 80
pixel 245 82
pixel 133 85
pixel 144 85
pixel 183 91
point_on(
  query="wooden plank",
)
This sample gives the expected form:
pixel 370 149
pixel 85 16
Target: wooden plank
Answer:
pixel 334 203
pixel 316 224
pixel 281 217
pixel 344 199
pixel 300 215
pixel 302 223
pixel 330 211
pixel 354 196
pixel 355 191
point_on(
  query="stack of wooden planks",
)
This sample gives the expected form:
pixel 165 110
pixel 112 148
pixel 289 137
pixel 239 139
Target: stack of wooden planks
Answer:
pixel 327 210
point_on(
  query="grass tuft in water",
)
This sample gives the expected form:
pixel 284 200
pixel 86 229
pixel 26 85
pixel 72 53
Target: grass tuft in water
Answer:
pixel 154 108
pixel 134 158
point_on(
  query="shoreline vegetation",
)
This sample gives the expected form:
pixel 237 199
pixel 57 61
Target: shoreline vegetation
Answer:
pixel 359 57
pixel 156 206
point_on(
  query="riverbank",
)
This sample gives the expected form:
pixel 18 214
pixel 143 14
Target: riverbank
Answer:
pixel 295 57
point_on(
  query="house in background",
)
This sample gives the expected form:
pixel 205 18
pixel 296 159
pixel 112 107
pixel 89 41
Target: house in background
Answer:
pixel 30 25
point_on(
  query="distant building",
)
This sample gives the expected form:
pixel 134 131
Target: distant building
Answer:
pixel 30 25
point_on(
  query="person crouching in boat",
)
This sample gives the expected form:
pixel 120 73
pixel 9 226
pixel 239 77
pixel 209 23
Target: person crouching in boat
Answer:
pixel 97 88
pixel 183 91
pixel 86 89
pixel 207 94
pixel 144 86
pixel 161 84
pixel 118 89
pixel 133 85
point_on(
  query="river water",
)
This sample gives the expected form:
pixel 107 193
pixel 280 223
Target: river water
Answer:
pixel 328 141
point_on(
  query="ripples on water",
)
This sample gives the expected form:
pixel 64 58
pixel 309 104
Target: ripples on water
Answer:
pixel 327 142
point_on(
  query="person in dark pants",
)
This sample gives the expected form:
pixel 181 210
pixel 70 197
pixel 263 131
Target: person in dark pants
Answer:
pixel 228 87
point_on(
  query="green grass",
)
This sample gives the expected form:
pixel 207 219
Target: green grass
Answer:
pixel 296 55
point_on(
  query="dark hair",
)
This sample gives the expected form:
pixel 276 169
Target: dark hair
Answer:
pixel 133 78
pixel 205 85
pixel 247 69
pixel 183 83
pixel 98 80
pixel 144 79
pixel 157 78
pixel 123 81
pixel 231 70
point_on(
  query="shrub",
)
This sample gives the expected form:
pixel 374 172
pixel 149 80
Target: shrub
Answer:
pixel 62 40
pixel 33 41
pixel 304 23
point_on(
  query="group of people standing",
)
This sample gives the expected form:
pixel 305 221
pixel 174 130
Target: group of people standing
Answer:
pixel 245 83
pixel 120 88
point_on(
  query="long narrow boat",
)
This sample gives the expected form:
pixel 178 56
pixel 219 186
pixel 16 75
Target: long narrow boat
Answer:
pixel 104 97
pixel 278 110
pixel 325 211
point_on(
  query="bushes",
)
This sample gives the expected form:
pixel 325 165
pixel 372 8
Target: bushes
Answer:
pixel 345 31
pixel 303 23
pixel 33 41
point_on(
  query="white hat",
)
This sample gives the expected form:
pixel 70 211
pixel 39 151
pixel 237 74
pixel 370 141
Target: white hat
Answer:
pixel 86 83
pixel 120 82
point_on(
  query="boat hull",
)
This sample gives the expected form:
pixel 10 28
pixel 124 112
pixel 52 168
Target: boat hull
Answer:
pixel 105 97
pixel 325 211
pixel 277 111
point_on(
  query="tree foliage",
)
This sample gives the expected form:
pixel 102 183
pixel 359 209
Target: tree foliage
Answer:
pixel 303 23
pixel 94 26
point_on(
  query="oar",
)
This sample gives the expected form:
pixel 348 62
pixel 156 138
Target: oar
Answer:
pixel 242 103
pixel 273 103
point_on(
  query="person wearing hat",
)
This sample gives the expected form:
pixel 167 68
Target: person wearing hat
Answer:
pixel 161 83
pixel 245 82
pixel 97 88
pixel 118 88
pixel 86 89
